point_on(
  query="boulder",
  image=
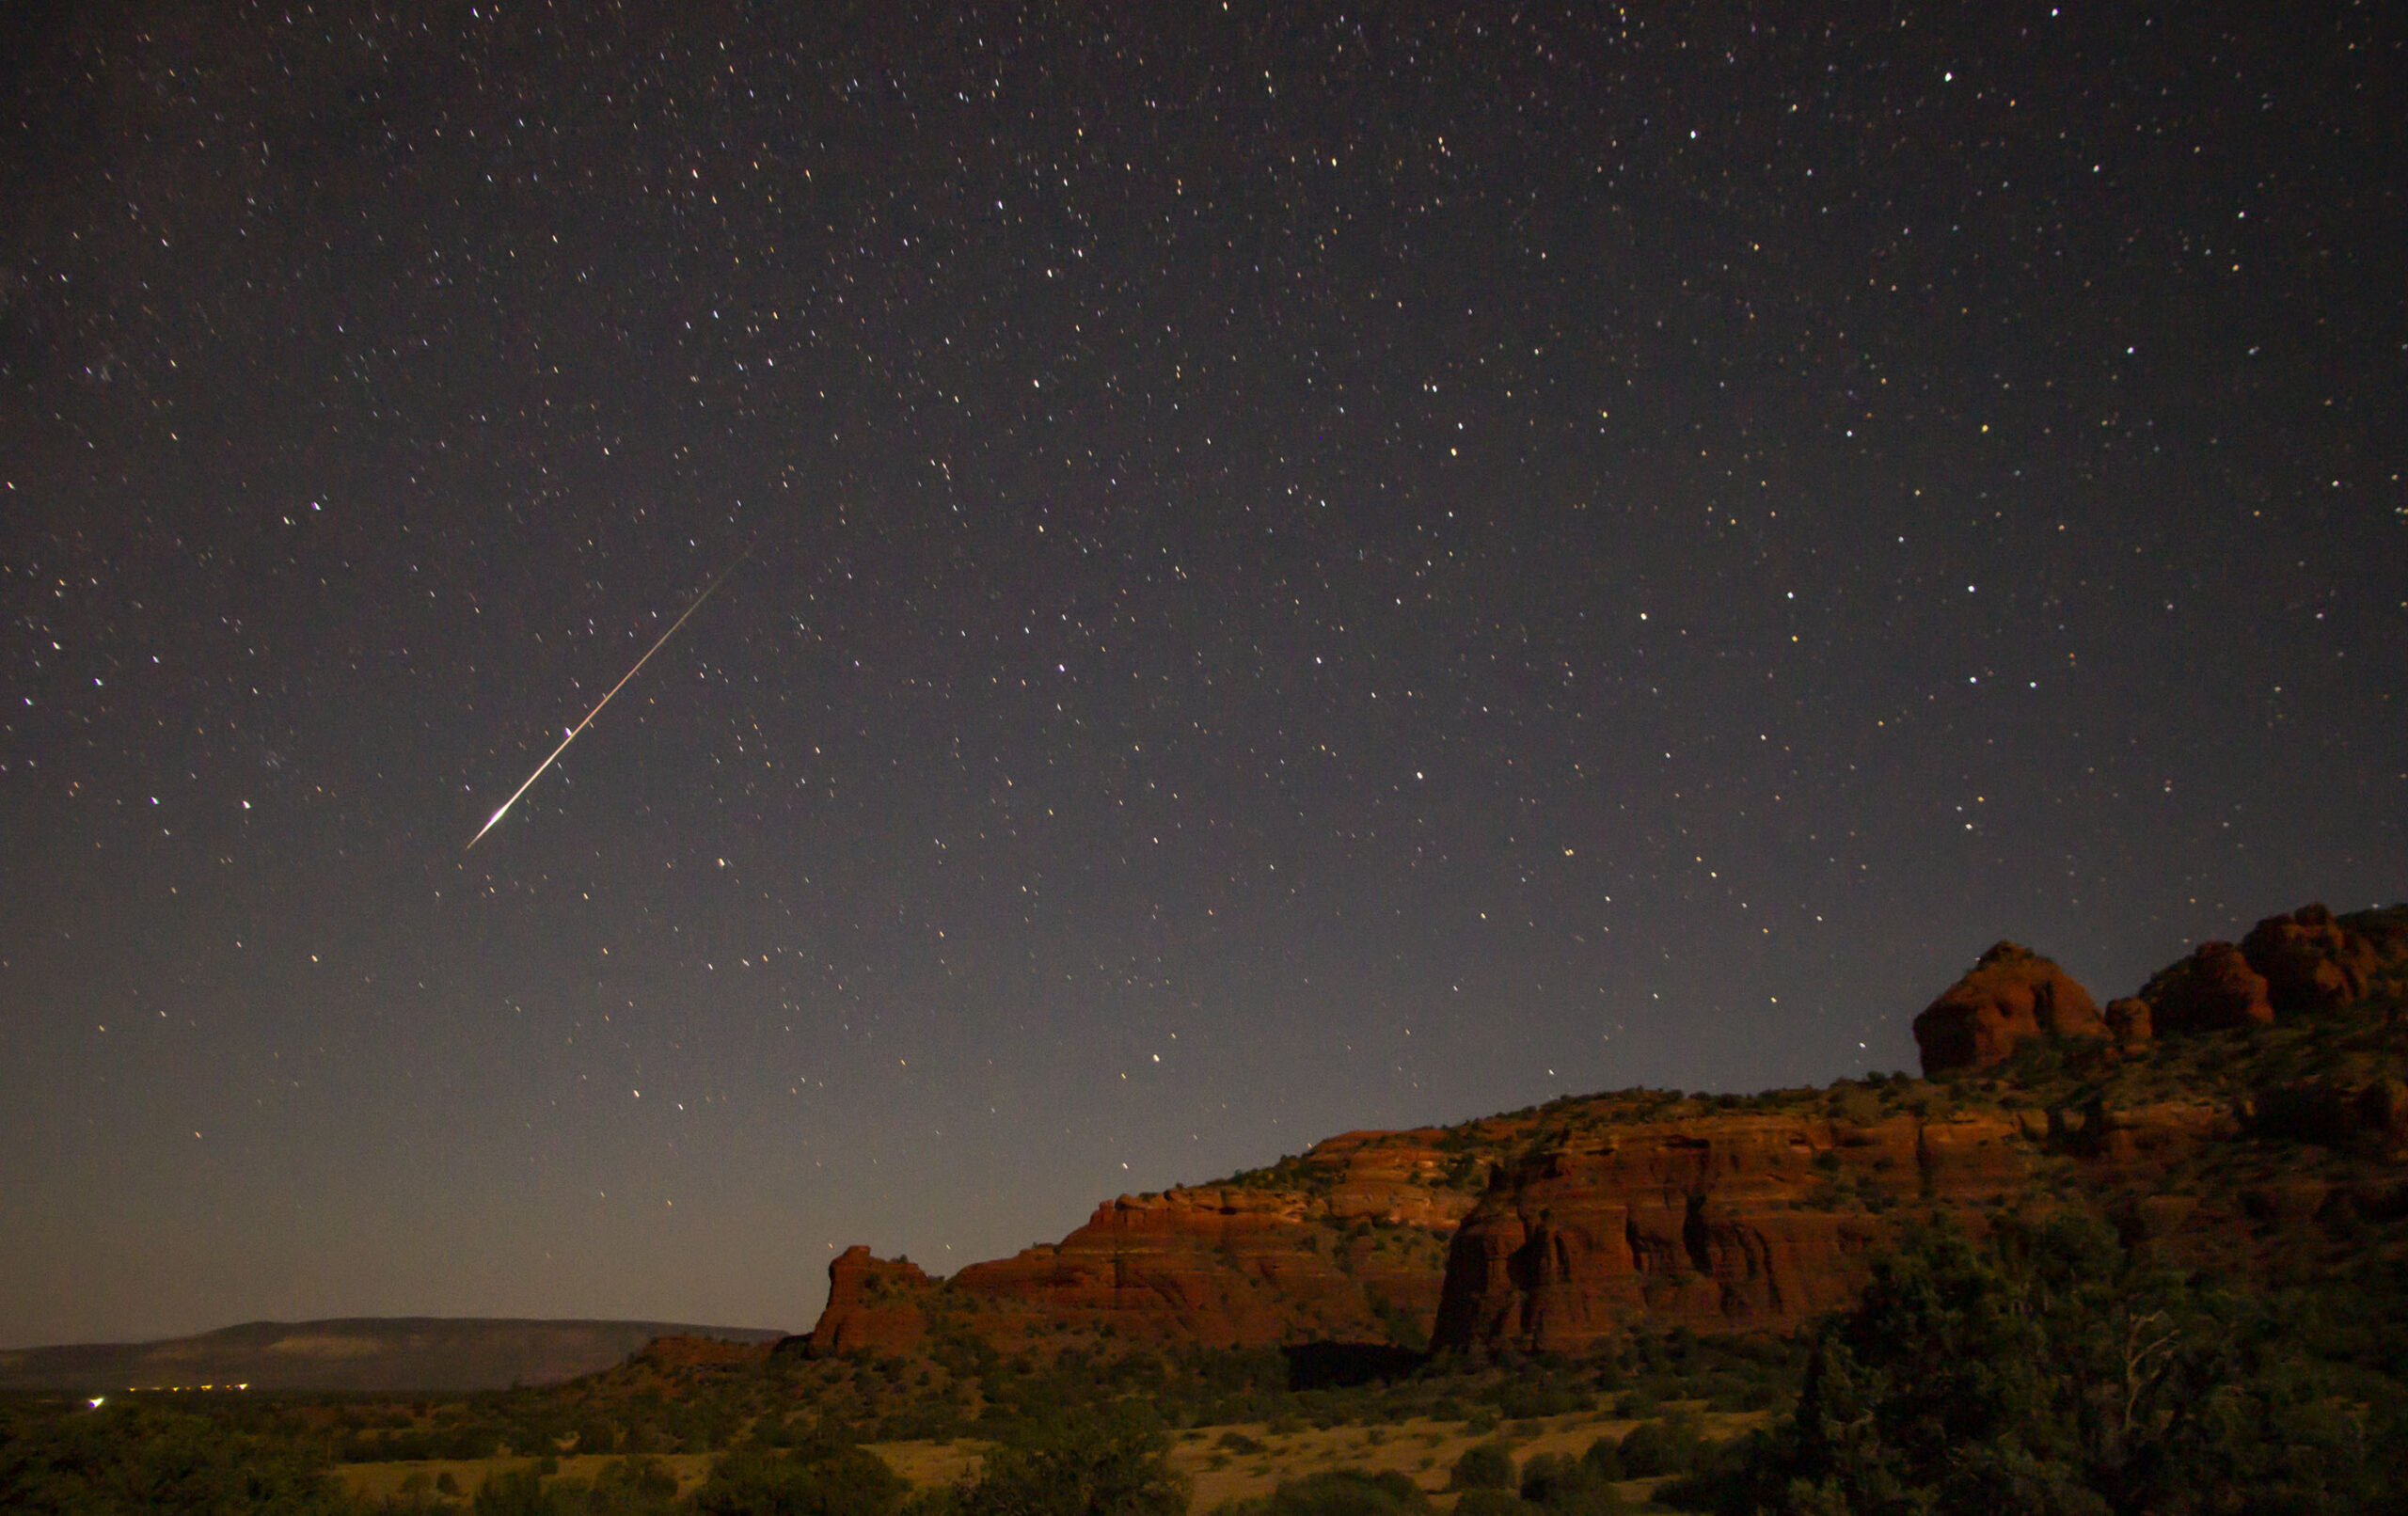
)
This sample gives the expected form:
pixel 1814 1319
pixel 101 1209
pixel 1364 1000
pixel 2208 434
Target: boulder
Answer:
pixel 2214 989
pixel 2310 961
pixel 2128 1022
pixel 2011 994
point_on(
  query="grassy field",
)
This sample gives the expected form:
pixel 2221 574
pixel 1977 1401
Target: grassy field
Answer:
pixel 1227 1462
pixel 375 1481
pixel 1233 1463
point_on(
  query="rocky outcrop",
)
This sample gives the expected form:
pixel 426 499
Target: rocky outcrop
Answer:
pixel 1218 1267
pixel 872 1304
pixel 2311 962
pixel 2009 995
pixel 2214 989
pixel 2295 964
pixel 1558 1227
pixel 1719 1224
pixel 1759 1223
pixel 1346 1243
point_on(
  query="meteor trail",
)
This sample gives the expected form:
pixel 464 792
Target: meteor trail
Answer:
pixel 605 699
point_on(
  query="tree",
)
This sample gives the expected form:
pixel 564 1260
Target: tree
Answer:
pixel 1569 1486
pixel 1112 1465
pixel 2051 1373
pixel 632 1487
pixel 824 1477
pixel 140 1459
pixel 1483 1466
pixel 514 1492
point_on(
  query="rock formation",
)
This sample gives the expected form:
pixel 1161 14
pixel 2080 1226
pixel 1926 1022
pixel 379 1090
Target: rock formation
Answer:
pixel 1557 1227
pixel 2214 989
pixel 2310 961
pixel 872 1302
pixel 2010 994
pixel 2129 1022
pixel 1346 1243
pixel 1690 1222
pixel 1754 1223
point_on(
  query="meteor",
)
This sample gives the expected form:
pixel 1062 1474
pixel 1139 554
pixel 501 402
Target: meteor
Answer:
pixel 580 726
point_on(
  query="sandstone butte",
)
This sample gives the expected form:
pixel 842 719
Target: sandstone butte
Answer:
pixel 1559 1227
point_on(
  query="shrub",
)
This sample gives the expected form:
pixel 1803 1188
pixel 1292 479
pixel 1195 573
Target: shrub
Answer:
pixel 2048 1371
pixel 1664 1446
pixel 1112 1465
pixel 514 1492
pixel 1484 1466
pixel 1604 1459
pixel 1568 1486
pixel 825 1478
pixel 632 1487
pixel 1347 1493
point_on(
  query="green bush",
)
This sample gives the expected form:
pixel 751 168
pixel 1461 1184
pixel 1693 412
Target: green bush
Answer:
pixel 1483 1466
pixel 1112 1465
pixel 1347 1493
pixel 1604 1459
pixel 1568 1486
pixel 2050 1371
pixel 825 1478
pixel 632 1487
pixel 514 1492
pixel 54 1461
pixel 1547 1397
pixel 1664 1446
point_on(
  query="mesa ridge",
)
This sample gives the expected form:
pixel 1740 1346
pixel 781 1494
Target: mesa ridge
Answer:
pixel 1558 1227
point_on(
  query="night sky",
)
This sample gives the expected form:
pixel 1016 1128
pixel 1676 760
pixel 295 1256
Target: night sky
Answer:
pixel 1288 569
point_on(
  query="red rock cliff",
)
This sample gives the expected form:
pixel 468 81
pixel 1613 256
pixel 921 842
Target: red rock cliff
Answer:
pixel 872 1302
pixel 1346 1242
pixel 1646 1208
pixel 1713 1221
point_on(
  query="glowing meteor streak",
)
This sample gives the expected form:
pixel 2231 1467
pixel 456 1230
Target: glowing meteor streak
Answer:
pixel 605 699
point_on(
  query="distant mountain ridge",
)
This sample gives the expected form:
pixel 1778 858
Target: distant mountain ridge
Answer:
pixel 384 1354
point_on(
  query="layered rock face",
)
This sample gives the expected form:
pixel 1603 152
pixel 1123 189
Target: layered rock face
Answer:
pixel 2010 994
pixel 1716 1224
pixel 1648 1210
pixel 1749 1223
pixel 1219 1267
pixel 872 1302
pixel 1350 1247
